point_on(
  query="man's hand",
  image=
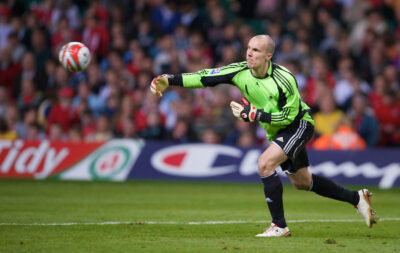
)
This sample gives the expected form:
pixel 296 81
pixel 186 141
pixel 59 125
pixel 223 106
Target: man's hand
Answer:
pixel 159 84
pixel 244 111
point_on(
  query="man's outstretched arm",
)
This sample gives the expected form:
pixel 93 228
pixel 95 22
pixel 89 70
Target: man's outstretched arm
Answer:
pixel 200 79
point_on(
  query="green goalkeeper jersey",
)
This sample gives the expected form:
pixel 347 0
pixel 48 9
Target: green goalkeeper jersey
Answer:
pixel 277 93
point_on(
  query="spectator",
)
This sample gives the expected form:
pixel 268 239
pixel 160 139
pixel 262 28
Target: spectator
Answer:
pixel 56 132
pixel 29 96
pixel 166 16
pixel 17 49
pixel 328 118
pixel 12 117
pixel 287 51
pixel 5 27
pixel 246 140
pixel 372 22
pixel 68 10
pixel 112 106
pixel 88 125
pixel 154 130
pixel 8 70
pixel 4 101
pixel 139 116
pixel 320 72
pixel 29 118
pixel 95 104
pixel 118 41
pixel 126 113
pixel 210 136
pixel 344 138
pixel 380 86
pixel 94 77
pixel 5 132
pixel 34 133
pixel 294 67
pixel 347 87
pixel 96 36
pixel 111 86
pixel 388 114
pixel 99 9
pixel 62 113
pixel 233 136
pixel 103 129
pixel 30 71
pixel 190 16
pixel 143 80
pixel 145 35
pixel 40 47
pixel 128 129
pixel 63 34
pixel 392 77
pixel 363 120
pixel 199 53
pixel 355 11
pixel 230 38
pixel 43 10
pixel 75 134
pixel 182 132
pixel 217 21
pixel 135 65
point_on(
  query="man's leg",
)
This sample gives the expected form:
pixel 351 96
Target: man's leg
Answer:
pixel 271 158
pixel 304 180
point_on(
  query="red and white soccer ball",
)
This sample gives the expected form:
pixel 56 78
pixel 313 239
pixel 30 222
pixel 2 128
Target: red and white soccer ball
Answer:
pixel 74 56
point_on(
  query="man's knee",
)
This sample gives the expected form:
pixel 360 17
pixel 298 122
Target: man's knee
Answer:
pixel 301 180
pixel 266 166
pixel 301 185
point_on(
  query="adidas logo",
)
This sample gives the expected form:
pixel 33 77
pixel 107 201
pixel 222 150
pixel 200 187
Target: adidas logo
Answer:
pixel 280 139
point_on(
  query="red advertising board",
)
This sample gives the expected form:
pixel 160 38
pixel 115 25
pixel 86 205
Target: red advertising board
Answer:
pixel 41 159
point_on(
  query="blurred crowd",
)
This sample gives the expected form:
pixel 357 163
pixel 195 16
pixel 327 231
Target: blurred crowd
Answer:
pixel 344 53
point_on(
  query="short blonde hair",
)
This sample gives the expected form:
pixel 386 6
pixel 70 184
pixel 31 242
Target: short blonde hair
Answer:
pixel 270 44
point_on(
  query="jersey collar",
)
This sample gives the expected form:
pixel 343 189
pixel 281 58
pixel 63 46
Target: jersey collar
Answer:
pixel 269 72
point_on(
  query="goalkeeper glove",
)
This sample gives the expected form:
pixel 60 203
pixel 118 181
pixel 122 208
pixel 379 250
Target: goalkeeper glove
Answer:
pixel 159 85
pixel 247 112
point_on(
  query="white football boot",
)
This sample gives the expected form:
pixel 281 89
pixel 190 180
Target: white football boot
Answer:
pixel 364 207
pixel 275 231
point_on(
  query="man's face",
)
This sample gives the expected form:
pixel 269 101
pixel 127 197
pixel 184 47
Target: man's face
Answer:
pixel 256 54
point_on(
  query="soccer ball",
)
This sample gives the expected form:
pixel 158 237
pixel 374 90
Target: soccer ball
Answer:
pixel 74 56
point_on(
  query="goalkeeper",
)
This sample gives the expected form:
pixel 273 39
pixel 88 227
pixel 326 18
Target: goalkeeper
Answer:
pixel 271 97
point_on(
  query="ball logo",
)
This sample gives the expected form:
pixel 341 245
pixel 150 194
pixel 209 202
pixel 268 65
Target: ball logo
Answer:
pixel 195 160
pixel 109 162
pixel 215 71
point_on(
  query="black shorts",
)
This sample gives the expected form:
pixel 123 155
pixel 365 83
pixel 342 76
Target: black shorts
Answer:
pixel 293 140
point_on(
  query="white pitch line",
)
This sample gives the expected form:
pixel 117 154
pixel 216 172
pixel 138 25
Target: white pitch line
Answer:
pixel 184 223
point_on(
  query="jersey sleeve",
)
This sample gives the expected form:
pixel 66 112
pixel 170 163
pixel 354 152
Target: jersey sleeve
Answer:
pixel 291 103
pixel 208 77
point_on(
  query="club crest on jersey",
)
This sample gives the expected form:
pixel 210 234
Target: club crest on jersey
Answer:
pixel 215 71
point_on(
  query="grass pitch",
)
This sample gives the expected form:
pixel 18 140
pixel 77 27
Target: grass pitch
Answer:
pixel 152 216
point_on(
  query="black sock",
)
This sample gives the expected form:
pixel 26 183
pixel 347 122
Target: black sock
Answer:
pixel 273 194
pixel 327 188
